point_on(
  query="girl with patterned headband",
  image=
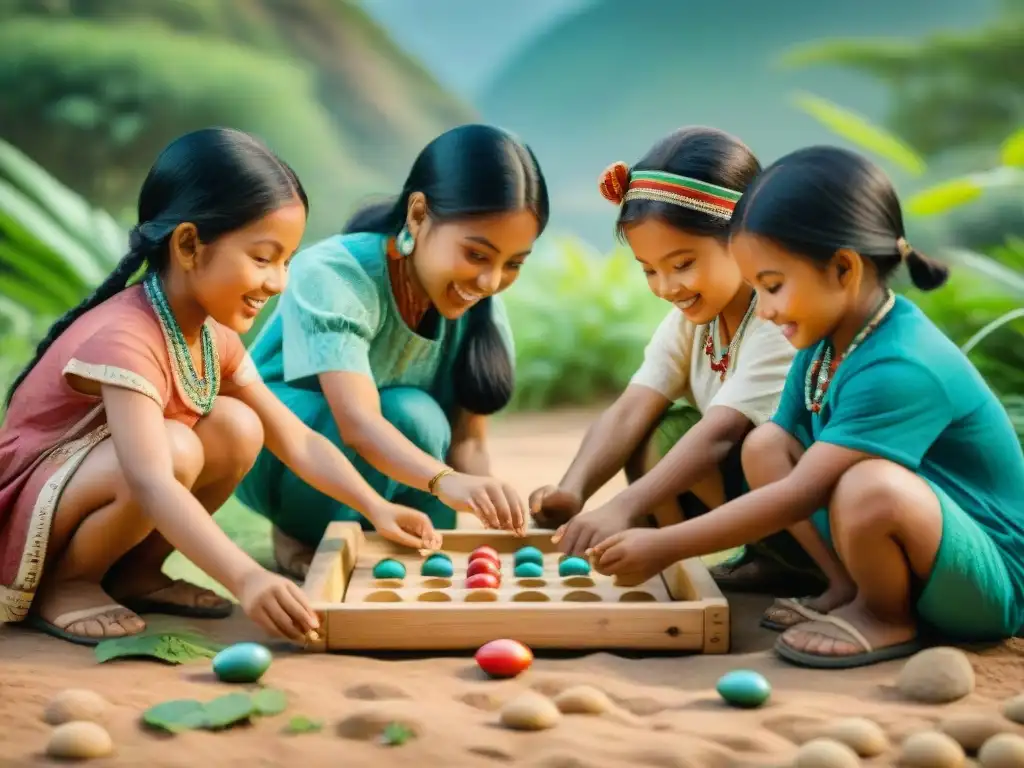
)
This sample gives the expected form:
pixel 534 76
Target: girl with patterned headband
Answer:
pixel 886 438
pixel 713 370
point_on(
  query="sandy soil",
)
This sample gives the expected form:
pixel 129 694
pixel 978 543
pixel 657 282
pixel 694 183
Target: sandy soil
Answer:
pixel 666 714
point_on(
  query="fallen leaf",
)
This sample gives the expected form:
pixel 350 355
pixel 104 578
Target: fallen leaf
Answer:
pixel 173 648
pixel 269 701
pixel 395 735
pixel 303 724
pixel 174 716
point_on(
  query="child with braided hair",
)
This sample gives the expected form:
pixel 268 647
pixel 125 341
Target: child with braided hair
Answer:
pixel 142 411
pixel 886 439
pixel 713 370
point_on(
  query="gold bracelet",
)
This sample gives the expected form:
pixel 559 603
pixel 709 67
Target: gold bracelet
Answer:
pixel 438 476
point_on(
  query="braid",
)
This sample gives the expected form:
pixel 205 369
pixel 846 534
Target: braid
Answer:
pixel 116 282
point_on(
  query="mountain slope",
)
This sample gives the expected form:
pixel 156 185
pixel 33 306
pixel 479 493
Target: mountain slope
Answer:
pixel 94 88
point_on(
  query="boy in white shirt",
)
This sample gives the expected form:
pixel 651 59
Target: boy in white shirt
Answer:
pixel 711 373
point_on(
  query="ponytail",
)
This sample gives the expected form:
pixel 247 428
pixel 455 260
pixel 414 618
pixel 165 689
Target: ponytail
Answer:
pixel 116 282
pixel 484 377
pixel 926 273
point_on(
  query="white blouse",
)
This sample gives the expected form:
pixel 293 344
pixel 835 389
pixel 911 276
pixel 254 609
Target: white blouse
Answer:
pixel 676 366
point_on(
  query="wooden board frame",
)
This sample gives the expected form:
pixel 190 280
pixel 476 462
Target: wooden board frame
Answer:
pixel 696 619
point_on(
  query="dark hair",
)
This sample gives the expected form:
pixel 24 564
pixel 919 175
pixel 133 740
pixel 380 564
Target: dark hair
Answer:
pixel 218 179
pixel 818 200
pixel 697 152
pixel 471 170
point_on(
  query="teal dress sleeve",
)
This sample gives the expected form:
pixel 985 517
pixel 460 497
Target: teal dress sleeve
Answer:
pixel 892 408
pixel 330 314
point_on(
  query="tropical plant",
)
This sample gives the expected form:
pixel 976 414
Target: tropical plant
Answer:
pixel 581 320
pixel 984 298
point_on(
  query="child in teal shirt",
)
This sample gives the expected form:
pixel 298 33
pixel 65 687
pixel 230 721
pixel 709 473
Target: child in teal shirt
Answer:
pixel 886 436
pixel 392 342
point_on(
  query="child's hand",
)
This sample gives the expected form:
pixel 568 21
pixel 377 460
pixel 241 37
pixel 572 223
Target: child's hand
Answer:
pixel 584 531
pixel 495 503
pixel 406 526
pixel 552 506
pixel 278 605
pixel 637 554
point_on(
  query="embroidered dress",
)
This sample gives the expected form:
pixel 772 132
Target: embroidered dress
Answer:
pixel 340 314
pixel 50 426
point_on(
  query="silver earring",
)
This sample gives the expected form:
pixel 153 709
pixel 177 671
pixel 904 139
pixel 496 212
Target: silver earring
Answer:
pixel 405 242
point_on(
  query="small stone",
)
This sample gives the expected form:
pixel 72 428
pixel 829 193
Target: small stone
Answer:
pixel 389 569
pixel 530 712
pixel 529 555
pixel 1005 750
pixel 937 676
pixel 76 704
pixel 583 700
pixel 744 688
pixel 1013 709
pixel 971 731
pixel 529 570
pixel 242 663
pixel 931 749
pixel 573 566
pixel 863 736
pixel 79 740
pixel 825 753
pixel 437 567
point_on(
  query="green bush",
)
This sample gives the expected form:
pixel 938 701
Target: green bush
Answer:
pixel 581 321
pixel 111 97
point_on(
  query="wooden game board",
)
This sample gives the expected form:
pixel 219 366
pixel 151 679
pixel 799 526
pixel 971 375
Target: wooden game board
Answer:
pixel 680 609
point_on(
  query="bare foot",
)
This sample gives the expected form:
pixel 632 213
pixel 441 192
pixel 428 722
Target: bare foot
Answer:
pixel 292 556
pixel 822 638
pixel 84 610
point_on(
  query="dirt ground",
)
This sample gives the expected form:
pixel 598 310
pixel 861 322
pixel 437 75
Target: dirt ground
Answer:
pixel 665 714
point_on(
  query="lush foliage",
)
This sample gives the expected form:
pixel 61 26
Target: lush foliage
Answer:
pixel 951 89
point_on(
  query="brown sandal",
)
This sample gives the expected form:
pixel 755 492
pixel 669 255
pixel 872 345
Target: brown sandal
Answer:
pixel 58 627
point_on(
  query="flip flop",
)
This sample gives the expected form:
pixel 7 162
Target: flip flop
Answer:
pixel 56 627
pixel 152 603
pixel 793 605
pixel 836 628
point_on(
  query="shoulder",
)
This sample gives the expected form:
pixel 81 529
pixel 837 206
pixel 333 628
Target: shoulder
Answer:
pixel 763 342
pixel 356 258
pixel 341 275
pixel 673 336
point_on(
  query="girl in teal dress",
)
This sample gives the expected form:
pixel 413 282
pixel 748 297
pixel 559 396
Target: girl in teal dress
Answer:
pixel 886 437
pixel 392 342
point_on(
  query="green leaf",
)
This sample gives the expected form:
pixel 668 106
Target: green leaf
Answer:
pixel 944 197
pixel 178 648
pixel 174 716
pixel 269 701
pixel 1013 150
pixel 303 724
pixel 395 735
pixel 228 710
pixel 858 130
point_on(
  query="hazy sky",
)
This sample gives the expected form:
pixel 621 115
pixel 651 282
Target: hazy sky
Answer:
pixel 463 42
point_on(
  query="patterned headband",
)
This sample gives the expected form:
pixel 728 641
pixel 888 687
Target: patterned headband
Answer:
pixel 619 185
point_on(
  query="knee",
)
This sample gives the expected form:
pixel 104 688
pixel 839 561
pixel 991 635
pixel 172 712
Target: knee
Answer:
pixel 761 449
pixel 867 499
pixel 187 453
pixel 419 417
pixel 238 431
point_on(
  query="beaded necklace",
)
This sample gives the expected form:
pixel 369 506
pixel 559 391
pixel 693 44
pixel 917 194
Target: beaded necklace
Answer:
pixel 412 303
pixel 721 367
pixel 201 391
pixel 821 372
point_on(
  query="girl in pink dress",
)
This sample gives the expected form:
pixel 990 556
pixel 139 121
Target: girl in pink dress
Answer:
pixel 141 412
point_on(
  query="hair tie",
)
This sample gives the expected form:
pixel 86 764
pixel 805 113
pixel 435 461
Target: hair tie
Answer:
pixel 904 248
pixel 614 182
